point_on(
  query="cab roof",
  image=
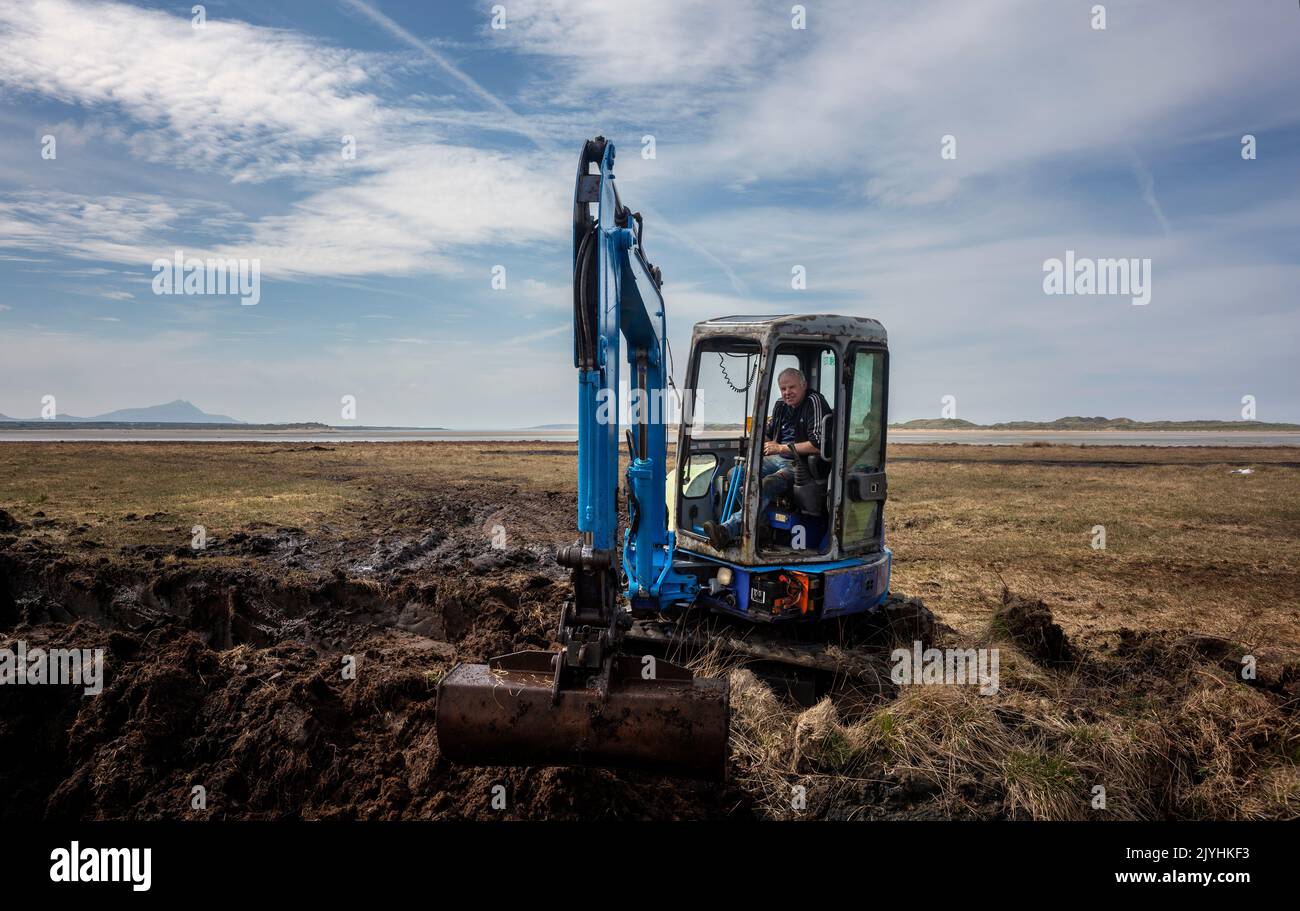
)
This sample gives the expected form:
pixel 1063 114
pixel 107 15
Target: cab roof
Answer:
pixel 795 324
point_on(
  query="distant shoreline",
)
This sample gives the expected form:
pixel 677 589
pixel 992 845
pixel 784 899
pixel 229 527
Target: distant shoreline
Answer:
pixel 46 427
pixel 1097 425
pixel 259 429
pixel 238 433
pixel 1288 429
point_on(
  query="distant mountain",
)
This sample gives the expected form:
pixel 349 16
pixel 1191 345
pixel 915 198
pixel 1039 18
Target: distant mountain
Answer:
pixel 176 412
pixel 1075 422
pixel 937 424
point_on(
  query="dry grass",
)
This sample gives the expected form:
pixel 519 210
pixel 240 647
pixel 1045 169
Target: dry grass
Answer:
pixel 1165 733
pixel 1189 544
pixel 128 494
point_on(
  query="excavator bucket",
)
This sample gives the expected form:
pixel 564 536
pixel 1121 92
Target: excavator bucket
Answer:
pixel 652 716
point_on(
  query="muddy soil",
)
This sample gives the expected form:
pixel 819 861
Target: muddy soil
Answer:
pixel 234 675
pixel 1029 624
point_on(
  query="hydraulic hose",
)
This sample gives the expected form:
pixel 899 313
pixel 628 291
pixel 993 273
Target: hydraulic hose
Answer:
pixel 583 323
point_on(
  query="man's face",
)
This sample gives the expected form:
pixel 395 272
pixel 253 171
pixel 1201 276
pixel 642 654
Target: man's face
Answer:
pixel 793 390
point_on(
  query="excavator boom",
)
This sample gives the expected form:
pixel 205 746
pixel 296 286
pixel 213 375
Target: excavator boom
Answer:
pixel 592 700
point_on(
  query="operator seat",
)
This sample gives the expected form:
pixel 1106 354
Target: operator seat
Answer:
pixel 812 474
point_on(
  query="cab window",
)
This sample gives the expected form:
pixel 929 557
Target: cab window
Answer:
pixel 864 432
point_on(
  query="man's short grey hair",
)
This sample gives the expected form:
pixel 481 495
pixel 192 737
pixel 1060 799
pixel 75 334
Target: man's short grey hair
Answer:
pixel 796 371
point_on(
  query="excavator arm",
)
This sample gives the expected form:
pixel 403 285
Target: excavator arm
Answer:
pixel 616 299
pixel 589 701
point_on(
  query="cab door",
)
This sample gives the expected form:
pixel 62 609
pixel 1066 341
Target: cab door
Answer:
pixel 864 487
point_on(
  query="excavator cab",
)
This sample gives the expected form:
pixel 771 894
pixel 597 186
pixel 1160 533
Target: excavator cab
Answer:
pixel 823 528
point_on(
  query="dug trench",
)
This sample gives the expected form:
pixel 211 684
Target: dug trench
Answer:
pixel 225 671
pixel 232 676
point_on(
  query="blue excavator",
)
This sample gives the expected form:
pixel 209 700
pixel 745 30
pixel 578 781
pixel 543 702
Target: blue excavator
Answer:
pixel 786 589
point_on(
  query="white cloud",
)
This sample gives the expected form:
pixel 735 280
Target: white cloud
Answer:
pixel 256 103
pixel 418 206
pixel 667 43
pixel 101 228
pixel 406 216
pixel 886 83
pixel 252 101
pixel 512 119
pixel 542 296
pixel 542 335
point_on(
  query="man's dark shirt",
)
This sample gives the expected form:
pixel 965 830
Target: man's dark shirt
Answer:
pixel 797 425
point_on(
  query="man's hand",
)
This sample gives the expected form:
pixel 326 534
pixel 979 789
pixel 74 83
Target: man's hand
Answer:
pixel 783 449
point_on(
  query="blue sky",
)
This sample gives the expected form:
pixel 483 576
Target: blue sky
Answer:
pixel 774 147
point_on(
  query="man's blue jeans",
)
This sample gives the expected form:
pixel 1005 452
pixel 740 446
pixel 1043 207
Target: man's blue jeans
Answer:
pixel 777 476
